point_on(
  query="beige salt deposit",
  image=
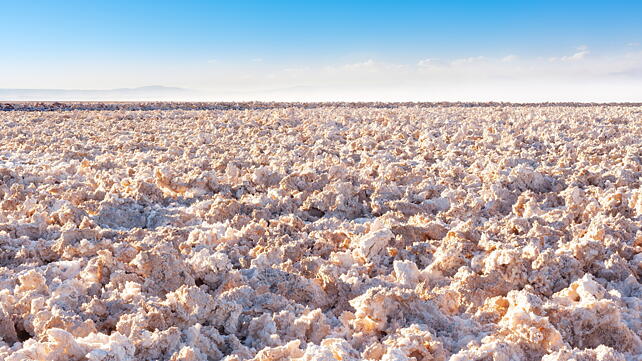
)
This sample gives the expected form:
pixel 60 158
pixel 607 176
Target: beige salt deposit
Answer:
pixel 320 232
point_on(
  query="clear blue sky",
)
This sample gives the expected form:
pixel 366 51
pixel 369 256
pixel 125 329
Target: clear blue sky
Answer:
pixel 153 38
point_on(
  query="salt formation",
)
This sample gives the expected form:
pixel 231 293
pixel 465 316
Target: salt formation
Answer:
pixel 320 232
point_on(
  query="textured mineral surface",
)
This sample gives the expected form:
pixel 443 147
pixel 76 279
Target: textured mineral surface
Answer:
pixel 320 232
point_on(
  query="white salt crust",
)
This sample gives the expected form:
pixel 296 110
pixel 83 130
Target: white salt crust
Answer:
pixel 335 232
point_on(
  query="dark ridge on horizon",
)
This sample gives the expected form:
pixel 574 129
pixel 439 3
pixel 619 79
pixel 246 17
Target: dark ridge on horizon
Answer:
pixel 168 105
pixel 144 93
pixel 141 88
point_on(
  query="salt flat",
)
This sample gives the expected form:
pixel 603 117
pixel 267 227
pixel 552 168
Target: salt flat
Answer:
pixel 320 231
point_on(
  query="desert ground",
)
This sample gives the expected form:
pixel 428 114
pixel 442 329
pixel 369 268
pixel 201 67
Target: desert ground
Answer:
pixel 335 231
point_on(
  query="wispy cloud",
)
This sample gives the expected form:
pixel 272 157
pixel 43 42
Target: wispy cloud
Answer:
pixel 580 75
pixel 582 52
pixel 427 63
pixel 509 58
pixel 365 65
pixel 468 60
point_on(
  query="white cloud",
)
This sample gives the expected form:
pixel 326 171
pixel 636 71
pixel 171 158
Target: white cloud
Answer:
pixel 368 68
pixel 368 65
pixel 296 70
pixel 509 58
pixel 579 55
pixel 574 76
pixel 469 60
pixel 428 62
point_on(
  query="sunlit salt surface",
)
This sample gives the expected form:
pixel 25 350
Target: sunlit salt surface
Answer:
pixel 320 232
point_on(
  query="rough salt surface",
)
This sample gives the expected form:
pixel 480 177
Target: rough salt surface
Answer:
pixel 320 232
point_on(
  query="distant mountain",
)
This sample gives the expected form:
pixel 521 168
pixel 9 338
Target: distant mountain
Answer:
pixel 163 93
pixel 121 94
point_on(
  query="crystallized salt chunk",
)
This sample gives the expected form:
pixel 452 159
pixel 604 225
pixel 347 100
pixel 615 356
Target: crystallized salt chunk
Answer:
pixel 205 261
pixel 407 273
pixel 371 245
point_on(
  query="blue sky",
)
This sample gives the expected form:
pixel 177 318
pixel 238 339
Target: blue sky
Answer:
pixel 253 46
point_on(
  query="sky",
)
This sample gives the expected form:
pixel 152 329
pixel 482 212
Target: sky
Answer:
pixel 329 50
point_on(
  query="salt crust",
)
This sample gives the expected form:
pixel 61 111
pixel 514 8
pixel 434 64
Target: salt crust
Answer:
pixel 333 232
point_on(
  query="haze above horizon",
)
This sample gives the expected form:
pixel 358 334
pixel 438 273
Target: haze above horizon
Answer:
pixel 331 50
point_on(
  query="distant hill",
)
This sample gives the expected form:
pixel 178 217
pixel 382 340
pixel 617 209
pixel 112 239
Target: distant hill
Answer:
pixel 121 94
